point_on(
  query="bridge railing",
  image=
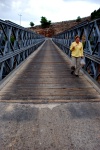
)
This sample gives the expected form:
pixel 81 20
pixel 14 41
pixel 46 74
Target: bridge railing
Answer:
pixel 16 44
pixel 89 33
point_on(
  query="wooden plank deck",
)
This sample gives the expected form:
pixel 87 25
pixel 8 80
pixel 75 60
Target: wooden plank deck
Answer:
pixel 46 78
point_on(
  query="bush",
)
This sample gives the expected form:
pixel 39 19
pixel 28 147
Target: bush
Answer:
pixel 95 14
pixel 78 19
pixel 31 24
pixel 44 22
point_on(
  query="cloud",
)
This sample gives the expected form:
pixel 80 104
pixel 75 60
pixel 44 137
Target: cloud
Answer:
pixel 5 5
pixel 91 1
pixel 54 10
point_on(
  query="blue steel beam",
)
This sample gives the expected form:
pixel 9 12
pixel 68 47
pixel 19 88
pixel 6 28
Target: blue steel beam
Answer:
pixel 89 33
pixel 16 44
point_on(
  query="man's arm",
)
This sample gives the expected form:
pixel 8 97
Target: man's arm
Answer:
pixel 72 47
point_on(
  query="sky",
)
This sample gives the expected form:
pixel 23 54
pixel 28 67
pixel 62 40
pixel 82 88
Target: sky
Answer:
pixel 25 11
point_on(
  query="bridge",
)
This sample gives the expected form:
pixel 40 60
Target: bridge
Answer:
pixel 35 76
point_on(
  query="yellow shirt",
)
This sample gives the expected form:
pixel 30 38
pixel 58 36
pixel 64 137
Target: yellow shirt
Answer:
pixel 78 50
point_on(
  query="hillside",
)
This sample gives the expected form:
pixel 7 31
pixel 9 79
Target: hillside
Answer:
pixel 57 27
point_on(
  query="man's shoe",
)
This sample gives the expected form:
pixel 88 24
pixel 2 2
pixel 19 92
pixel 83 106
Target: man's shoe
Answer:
pixel 76 75
pixel 72 72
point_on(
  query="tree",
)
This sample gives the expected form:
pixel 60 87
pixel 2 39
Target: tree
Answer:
pixel 44 22
pixel 31 24
pixel 78 19
pixel 95 14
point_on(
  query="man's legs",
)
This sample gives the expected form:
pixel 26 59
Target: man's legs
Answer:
pixel 78 66
pixel 73 65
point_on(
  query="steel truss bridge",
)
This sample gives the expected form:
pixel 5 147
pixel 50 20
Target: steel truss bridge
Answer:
pixel 69 117
pixel 17 43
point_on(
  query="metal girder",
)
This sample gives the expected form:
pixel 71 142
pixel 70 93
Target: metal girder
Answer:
pixel 89 33
pixel 16 44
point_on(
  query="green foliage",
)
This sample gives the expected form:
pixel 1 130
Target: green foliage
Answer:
pixel 84 42
pixel 95 14
pixel 44 22
pixel 12 39
pixel 31 24
pixel 78 19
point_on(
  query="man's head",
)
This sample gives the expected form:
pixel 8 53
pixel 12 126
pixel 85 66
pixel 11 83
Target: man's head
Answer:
pixel 77 39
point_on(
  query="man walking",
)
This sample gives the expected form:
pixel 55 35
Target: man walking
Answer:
pixel 76 54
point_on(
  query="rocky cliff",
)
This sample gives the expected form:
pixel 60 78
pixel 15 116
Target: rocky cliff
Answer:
pixel 57 27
